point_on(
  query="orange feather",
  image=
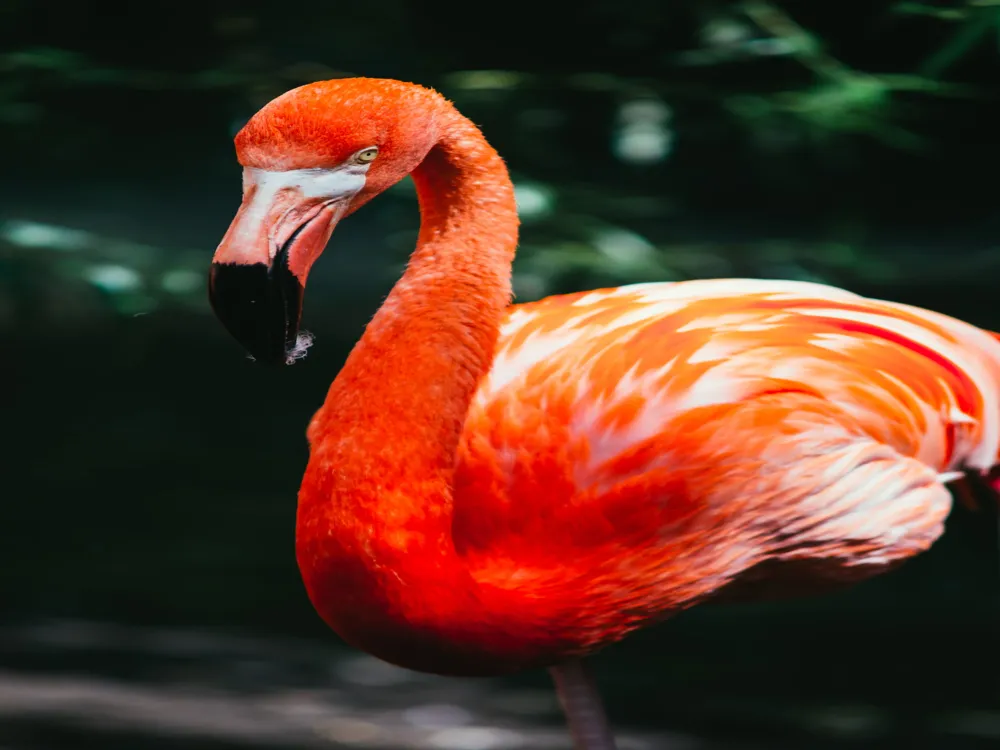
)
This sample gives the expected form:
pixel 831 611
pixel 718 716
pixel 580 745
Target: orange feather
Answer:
pixel 493 488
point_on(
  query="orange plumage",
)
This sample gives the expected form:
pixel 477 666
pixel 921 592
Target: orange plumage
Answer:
pixel 492 488
pixel 632 451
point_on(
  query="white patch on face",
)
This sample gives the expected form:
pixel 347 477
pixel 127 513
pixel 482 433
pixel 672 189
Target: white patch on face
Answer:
pixel 336 184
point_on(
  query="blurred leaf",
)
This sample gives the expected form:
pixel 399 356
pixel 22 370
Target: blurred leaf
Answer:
pixel 975 29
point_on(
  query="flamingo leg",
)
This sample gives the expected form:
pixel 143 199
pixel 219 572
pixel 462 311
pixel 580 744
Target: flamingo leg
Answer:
pixel 581 702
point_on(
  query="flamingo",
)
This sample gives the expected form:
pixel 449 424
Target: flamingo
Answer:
pixel 493 488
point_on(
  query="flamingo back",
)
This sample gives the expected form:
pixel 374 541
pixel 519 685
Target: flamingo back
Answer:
pixel 647 445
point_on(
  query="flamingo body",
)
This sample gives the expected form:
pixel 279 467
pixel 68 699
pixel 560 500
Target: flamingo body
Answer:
pixel 633 451
pixel 492 488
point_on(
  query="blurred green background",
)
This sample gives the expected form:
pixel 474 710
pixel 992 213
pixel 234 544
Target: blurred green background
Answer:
pixel 148 586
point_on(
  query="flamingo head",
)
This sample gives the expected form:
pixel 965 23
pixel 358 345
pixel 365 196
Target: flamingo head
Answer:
pixel 310 157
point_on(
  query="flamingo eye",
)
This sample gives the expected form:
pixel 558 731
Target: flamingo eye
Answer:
pixel 365 156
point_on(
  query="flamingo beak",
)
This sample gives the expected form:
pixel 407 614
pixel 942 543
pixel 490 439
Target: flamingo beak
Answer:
pixel 259 270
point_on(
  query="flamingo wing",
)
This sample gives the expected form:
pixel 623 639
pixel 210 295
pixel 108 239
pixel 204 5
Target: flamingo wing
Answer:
pixel 648 444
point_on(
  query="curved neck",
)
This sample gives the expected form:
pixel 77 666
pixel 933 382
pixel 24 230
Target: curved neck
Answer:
pixel 374 526
pixel 435 335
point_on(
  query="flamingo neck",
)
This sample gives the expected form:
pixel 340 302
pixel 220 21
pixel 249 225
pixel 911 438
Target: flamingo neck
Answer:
pixel 440 323
pixel 375 510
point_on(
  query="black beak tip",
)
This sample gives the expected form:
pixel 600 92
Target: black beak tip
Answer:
pixel 260 306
